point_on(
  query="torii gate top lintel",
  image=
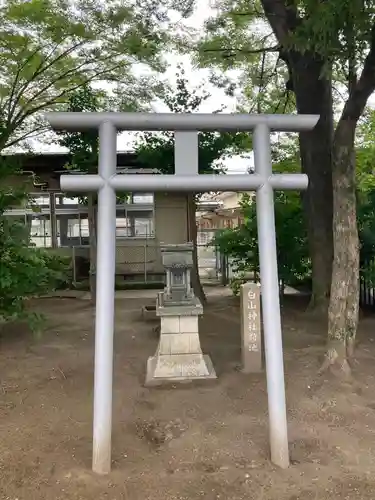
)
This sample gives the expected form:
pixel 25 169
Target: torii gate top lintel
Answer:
pixel 78 121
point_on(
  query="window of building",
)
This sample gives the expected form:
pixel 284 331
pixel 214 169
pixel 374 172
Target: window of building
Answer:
pixel 143 227
pixel 39 227
pixel 123 229
pixel 71 219
pixel 135 226
pixel 63 200
pixel 39 200
pixel 72 230
pixel 142 198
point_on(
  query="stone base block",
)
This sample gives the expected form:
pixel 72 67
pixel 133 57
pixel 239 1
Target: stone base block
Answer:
pixel 148 313
pixel 178 368
pixel 195 308
pixel 179 343
pixel 179 324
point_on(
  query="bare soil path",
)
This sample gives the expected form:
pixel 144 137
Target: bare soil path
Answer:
pixel 180 443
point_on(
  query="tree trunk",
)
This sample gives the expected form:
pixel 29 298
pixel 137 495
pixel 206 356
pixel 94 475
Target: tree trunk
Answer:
pixel 192 234
pixel 91 209
pixel 314 96
pixel 344 303
pixel 344 300
pixel 313 91
pixel 344 295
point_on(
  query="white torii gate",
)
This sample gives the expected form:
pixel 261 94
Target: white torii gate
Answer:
pixel 186 178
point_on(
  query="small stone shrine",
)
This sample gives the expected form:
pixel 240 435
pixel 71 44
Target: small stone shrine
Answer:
pixel 179 355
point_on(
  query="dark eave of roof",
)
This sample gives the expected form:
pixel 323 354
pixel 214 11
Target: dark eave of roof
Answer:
pixel 51 163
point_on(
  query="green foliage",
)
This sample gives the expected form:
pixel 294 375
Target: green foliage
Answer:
pixel 241 243
pixel 236 282
pixel 83 146
pixel 333 28
pixel 239 36
pixel 157 150
pixel 9 195
pixel 282 50
pixel 365 161
pixel 25 271
pixel 50 48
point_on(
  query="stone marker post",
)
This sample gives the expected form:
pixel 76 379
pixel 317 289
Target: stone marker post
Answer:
pixel 251 328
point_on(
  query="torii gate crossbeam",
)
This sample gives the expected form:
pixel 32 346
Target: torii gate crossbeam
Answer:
pixel 186 178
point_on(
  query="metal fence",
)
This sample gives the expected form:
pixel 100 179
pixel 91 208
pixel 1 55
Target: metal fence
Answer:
pixel 141 263
pixel 209 262
pixel 366 287
pixel 213 266
pixel 135 263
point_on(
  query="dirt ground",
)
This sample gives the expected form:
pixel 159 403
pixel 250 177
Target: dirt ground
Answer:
pixel 180 443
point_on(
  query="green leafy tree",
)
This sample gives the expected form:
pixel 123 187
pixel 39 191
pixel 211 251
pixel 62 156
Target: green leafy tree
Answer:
pixel 50 48
pixel 240 36
pixel 315 42
pixel 241 243
pixel 365 160
pixel 157 151
pixel 25 271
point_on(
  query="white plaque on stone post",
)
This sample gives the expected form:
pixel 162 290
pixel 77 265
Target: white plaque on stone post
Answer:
pixel 251 340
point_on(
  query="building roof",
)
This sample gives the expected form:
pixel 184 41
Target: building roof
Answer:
pixel 53 163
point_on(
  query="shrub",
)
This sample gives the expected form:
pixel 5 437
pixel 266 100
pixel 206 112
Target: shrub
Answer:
pixel 25 272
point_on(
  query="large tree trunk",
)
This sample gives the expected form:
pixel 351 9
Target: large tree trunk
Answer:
pixel 91 214
pixel 192 233
pixel 313 93
pixel 344 303
pixel 314 96
pixel 344 296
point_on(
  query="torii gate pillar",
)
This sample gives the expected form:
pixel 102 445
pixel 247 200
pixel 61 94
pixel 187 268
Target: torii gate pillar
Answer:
pixel 107 182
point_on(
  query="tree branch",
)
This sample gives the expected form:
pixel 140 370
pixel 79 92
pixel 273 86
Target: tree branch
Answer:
pixel 261 83
pixel 35 132
pixel 41 69
pixel 19 118
pixel 56 98
pixel 247 13
pixel 363 88
pixel 283 18
pixel 5 142
pixel 17 77
pixel 232 52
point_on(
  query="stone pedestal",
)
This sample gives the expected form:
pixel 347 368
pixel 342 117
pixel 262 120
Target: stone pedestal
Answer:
pixel 179 355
